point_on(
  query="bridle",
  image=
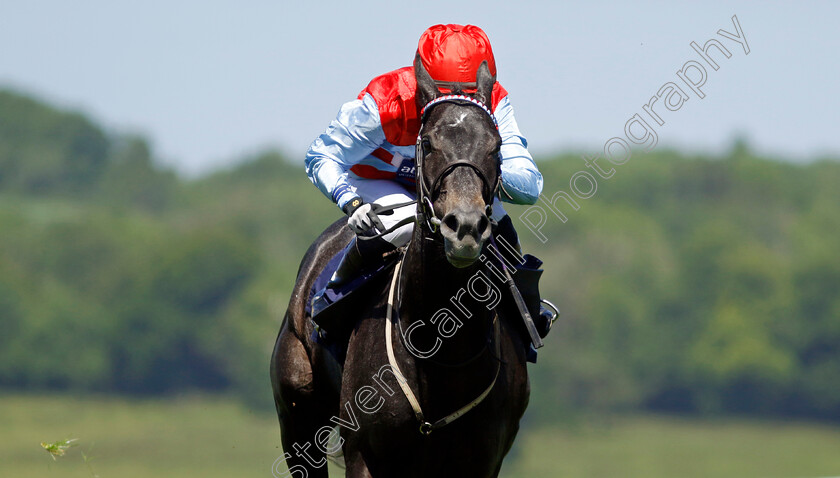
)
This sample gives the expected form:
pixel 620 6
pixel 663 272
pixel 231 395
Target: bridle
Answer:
pixel 426 215
pixel 426 195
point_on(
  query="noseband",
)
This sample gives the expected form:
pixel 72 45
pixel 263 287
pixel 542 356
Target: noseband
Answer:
pixel 426 195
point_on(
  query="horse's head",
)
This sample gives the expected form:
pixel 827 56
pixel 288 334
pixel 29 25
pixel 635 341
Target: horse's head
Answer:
pixel 458 163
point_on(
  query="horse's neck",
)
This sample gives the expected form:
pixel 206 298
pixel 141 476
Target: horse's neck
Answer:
pixel 435 298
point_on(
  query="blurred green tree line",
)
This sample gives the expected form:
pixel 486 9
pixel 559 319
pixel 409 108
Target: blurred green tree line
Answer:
pixel 692 284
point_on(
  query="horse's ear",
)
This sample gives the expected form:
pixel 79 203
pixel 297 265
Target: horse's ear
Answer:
pixel 484 84
pixel 426 88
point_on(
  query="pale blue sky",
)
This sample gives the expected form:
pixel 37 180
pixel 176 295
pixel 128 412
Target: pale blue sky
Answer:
pixel 208 81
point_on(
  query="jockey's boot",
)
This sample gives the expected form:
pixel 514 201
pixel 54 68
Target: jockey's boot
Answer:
pixel 527 279
pixel 358 257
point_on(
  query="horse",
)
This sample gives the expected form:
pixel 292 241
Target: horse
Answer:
pixel 434 382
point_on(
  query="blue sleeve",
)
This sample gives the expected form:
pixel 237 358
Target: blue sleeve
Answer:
pixel 522 182
pixel 351 136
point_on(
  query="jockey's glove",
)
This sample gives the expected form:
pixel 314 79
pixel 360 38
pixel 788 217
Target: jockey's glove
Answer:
pixel 362 216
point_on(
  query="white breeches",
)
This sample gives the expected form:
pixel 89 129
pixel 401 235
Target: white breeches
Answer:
pixel 385 193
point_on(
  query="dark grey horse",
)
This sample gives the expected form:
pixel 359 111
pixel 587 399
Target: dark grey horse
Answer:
pixel 450 340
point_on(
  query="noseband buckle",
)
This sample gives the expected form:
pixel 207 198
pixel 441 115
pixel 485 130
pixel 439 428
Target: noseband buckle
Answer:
pixel 431 218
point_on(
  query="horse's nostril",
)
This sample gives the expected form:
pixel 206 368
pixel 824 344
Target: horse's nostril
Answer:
pixel 451 222
pixel 483 223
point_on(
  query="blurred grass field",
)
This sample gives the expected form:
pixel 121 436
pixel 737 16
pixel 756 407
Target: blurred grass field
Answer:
pixel 215 437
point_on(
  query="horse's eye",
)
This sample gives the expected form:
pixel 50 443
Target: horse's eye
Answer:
pixel 426 145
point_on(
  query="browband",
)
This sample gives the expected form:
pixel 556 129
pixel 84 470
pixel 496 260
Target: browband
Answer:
pixel 457 98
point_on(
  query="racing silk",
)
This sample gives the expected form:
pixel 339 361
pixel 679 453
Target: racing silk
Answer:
pixel 374 137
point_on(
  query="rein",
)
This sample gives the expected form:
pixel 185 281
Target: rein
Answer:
pixel 385 210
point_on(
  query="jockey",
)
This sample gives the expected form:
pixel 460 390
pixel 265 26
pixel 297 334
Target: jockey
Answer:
pixel 365 157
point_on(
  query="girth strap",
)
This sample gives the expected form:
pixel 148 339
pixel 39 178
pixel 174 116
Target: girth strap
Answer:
pixel 426 427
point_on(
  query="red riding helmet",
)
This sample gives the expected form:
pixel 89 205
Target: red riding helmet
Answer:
pixel 453 53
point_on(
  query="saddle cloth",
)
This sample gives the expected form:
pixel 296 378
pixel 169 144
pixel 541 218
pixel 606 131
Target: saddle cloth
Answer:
pixel 337 321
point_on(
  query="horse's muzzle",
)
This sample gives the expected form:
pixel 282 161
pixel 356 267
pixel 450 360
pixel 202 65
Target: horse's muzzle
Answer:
pixel 464 233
